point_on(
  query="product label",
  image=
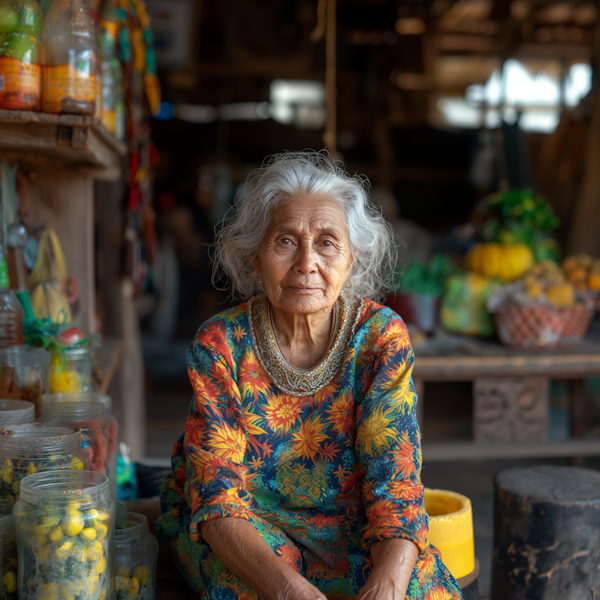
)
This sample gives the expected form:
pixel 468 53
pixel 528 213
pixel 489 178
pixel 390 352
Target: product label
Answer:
pixel 64 85
pixel 4 280
pixel 20 84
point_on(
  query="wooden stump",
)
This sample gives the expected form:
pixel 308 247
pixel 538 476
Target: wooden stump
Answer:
pixel 546 534
pixel 510 409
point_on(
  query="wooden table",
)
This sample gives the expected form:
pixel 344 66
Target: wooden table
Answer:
pixel 501 374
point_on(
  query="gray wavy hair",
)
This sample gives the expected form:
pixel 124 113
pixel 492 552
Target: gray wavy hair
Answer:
pixel 289 175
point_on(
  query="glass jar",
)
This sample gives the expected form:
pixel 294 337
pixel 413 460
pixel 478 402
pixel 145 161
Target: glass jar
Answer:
pixel 75 375
pixel 89 411
pixel 8 553
pixel 36 447
pixel 24 374
pixel 16 412
pixel 20 72
pixel 65 532
pixel 136 551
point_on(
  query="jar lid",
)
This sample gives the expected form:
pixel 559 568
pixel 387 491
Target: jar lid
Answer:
pixel 27 356
pixel 16 412
pixel 75 405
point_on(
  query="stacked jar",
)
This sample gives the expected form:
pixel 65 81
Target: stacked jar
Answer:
pixel 89 411
pixel 16 412
pixel 136 551
pixel 34 448
pixel 8 553
pixel 65 531
pixel 75 375
pixel 24 374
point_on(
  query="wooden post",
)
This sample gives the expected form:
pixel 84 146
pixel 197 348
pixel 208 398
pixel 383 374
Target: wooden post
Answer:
pixel 330 137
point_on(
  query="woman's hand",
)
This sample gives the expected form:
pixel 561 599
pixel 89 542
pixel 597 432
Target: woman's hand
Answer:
pixel 393 564
pixel 244 552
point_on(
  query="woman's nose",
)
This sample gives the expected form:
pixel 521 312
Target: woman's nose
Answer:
pixel 306 259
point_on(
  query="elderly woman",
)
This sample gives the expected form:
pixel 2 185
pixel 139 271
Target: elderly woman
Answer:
pixel 298 475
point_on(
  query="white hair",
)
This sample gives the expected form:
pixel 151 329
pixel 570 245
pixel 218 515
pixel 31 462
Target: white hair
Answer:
pixel 290 175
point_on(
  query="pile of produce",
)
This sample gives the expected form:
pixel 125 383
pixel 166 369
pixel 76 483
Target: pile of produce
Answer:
pixel 421 279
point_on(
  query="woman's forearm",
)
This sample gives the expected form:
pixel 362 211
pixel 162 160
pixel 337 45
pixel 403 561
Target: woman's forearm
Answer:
pixel 393 564
pixel 242 550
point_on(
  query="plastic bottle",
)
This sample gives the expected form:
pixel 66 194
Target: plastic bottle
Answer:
pixel 111 67
pixel 11 313
pixel 20 73
pixel 70 67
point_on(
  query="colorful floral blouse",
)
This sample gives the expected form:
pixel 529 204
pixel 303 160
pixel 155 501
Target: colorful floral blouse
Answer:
pixel 321 477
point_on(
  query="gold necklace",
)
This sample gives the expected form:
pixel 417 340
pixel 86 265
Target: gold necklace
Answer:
pixel 302 382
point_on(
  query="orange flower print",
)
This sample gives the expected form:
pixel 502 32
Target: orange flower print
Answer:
pixel 374 432
pixel 440 592
pixel 425 568
pixel 228 442
pixel 404 490
pixel 341 413
pixel 283 412
pixel 252 381
pixel 403 457
pixel 306 443
pixel 238 333
pixel 195 430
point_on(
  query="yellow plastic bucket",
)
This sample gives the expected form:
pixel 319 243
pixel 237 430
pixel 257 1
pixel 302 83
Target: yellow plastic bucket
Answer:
pixel 451 529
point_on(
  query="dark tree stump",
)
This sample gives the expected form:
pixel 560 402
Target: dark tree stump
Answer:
pixel 546 534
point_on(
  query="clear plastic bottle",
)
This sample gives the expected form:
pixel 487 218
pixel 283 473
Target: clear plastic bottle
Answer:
pixel 11 313
pixel 136 551
pixel 90 411
pixel 20 73
pixel 8 552
pixel 107 39
pixel 70 67
pixel 65 525
pixel 34 448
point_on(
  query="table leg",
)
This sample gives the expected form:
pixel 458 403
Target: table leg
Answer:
pixel 419 387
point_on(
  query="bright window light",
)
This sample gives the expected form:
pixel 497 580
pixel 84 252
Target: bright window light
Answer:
pixel 539 121
pixel 578 83
pixel 299 102
pixel 524 89
pixel 458 113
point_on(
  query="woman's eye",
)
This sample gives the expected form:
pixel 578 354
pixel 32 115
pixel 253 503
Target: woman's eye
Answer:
pixel 286 241
pixel 327 243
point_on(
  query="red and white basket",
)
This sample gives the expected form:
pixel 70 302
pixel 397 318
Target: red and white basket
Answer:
pixel 538 327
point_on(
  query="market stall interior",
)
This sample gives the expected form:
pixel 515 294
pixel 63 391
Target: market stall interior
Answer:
pixel 477 124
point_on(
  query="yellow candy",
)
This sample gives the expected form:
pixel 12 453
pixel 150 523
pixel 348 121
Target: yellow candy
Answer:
pixel 76 464
pixel 31 469
pixel 134 587
pixel 48 591
pixel 41 530
pixel 103 515
pixel 66 592
pixel 10 581
pixel 100 566
pixel 101 530
pixel 124 571
pixel 50 520
pixel 95 551
pixel 73 523
pixel 91 513
pixel 64 549
pixel 143 573
pixel 41 539
pixel 122 583
pixel 89 533
pixel 56 534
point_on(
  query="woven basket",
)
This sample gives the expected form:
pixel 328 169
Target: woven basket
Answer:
pixel 539 327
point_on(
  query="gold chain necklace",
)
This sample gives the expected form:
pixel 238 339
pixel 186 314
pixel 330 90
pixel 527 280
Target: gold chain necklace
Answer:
pixel 302 382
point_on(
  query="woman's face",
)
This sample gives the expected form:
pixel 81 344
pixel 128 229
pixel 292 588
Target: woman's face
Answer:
pixel 305 258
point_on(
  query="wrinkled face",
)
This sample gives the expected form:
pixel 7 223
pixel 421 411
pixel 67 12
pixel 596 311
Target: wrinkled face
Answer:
pixel 305 257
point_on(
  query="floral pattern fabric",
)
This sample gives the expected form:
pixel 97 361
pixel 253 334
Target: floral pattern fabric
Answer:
pixel 320 477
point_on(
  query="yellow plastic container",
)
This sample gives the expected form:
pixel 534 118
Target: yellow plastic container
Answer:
pixel 451 529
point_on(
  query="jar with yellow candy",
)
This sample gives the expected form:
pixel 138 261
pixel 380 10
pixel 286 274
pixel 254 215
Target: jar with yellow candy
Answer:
pixel 136 551
pixel 8 553
pixel 36 448
pixel 65 530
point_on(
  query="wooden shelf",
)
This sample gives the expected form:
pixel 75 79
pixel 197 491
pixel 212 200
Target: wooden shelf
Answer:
pixel 79 141
pixel 451 451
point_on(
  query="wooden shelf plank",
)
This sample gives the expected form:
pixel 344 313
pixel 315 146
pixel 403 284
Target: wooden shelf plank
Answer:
pixel 77 140
pixel 450 451
pixel 106 361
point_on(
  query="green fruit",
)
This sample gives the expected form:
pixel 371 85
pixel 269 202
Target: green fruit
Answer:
pixel 23 47
pixel 8 19
pixel 30 20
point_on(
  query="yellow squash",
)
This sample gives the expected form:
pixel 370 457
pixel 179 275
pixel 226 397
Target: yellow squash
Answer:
pixel 507 262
